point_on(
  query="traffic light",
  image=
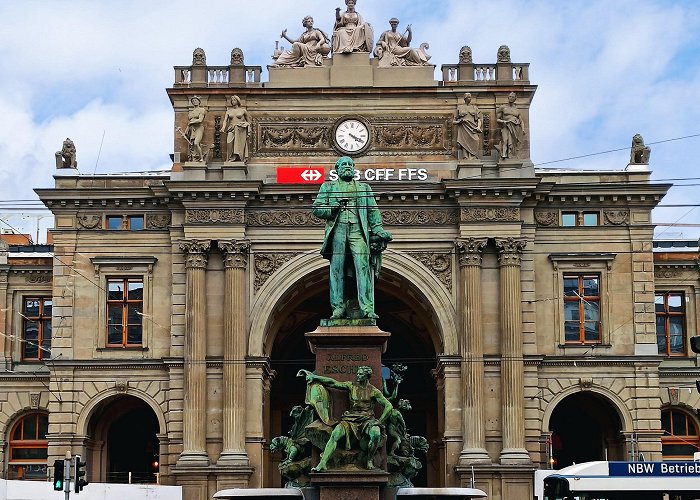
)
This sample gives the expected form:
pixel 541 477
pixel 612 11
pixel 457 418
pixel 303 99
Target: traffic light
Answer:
pixel 695 343
pixel 58 475
pixel 79 477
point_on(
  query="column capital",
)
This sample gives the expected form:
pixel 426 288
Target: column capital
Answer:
pixel 235 252
pixel 197 252
pixel 469 250
pixel 510 250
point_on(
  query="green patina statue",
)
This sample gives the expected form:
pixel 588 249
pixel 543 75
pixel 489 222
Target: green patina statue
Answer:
pixel 358 424
pixel 353 228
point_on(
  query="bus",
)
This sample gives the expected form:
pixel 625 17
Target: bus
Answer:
pixel 625 481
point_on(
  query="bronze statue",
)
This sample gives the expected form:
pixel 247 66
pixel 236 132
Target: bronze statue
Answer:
pixel 358 424
pixel 353 229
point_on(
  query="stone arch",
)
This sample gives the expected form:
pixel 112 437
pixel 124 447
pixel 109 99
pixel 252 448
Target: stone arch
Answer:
pixel 616 402
pixel 17 407
pixel 88 409
pixel 11 420
pixel 422 281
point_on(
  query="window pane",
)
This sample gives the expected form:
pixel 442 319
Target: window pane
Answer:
pixel 675 325
pixel 590 219
pixel 134 335
pixel 677 450
pixel 31 307
pixel 659 303
pixel 31 339
pixel 568 219
pixel 661 342
pixel 43 426
pixel 135 290
pixel 114 334
pixel 666 421
pixel 676 344
pixel 29 453
pixel 675 303
pixel 27 471
pixel 591 331
pixel 136 223
pixel 570 286
pixel 114 223
pixel 18 432
pixel 134 314
pixel 47 307
pixel 29 427
pixel 116 290
pixel 571 331
pixel 678 423
pixel 114 314
pixel 590 311
pixel 571 311
pixel 590 286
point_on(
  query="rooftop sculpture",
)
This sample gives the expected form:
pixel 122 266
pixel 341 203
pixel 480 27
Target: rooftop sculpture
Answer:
pixel 307 50
pixel 393 48
pixel 65 158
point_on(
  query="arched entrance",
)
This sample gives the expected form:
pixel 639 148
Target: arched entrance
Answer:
pixel 414 342
pixel 585 427
pixel 123 445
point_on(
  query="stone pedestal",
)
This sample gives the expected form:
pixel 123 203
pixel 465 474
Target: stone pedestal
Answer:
pixel 234 171
pixel 351 70
pixel 194 170
pixel 358 485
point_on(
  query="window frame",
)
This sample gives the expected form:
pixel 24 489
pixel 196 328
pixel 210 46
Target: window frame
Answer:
pixel 41 321
pixel 579 218
pixel 125 222
pixel 582 299
pixel 683 439
pixel 667 315
pixel 14 444
pixel 126 303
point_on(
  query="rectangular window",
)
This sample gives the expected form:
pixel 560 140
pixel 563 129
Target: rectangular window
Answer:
pixel 582 309
pixel 569 219
pixel 590 218
pixel 36 328
pixel 128 223
pixel 670 323
pixel 136 222
pixel 114 222
pixel 124 312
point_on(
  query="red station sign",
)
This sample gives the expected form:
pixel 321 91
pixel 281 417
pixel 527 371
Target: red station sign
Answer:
pixel 301 175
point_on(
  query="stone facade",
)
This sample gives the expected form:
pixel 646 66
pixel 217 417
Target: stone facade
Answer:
pixel 230 269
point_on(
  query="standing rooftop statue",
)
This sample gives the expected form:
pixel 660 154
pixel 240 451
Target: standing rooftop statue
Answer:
pixel 353 229
pixel 469 123
pixel 393 48
pixel 65 158
pixel 350 32
pixel 639 153
pixel 308 50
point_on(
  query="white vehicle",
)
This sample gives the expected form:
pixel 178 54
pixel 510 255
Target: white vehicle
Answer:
pixel 625 481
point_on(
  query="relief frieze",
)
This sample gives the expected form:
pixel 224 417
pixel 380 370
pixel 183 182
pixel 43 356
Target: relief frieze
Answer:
pixel 616 217
pixel 440 264
pixel 90 221
pixel 157 221
pixel 547 217
pixel 263 218
pixel 214 216
pixel 265 264
pixel 429 217
pixel 495 214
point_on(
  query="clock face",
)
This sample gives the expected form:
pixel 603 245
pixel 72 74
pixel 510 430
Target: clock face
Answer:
pixel 351 136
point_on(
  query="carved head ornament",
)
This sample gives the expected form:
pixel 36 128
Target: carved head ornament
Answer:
pixel 465 55
pixel 236 57
pixel 199 58
pixel 503 54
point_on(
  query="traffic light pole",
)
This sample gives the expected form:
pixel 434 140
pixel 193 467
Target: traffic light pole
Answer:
pixel 66 475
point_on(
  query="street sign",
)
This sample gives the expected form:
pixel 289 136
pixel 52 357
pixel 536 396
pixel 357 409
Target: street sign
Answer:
pixel 301 175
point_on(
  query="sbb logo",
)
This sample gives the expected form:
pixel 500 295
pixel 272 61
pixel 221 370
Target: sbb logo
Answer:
pixel 300 175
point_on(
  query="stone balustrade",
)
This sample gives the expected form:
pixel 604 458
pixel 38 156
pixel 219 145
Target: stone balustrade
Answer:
pixel 453 74
pixel 217 76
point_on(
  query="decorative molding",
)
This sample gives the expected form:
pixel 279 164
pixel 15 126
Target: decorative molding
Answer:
pixel 265 265
pixel 235 253
pixel 197 253
pixel 215 216
pixel 217 137
pixel 495 214
pixel 486 126
pixel 673 395
pixel 45 277
pixel 428 217
pixel 123 263
pixel 122 385
pixel 34 401
pixel 469 251
pixel 439 263
pixel 582 259
pixel 616 217
pixel 282 218
pixel 90 221
pixel 158 221
pixel 585 383
pixel 510 250
pixel 673 271
pixel 547 217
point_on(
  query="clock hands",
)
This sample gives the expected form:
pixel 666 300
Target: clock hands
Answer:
pixel 356 138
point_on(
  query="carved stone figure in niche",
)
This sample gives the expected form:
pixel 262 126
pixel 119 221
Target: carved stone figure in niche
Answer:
pixel 393 48
pixel 236 57
pixel 65 158
pixel 508 116
pixel 358 424
pixel 199 58
pixel 308 50
pixel 469 123
pixel 350 32
pixel 639 153
pixel 503 55
pixel 195 129
pixel 236 124
pixel 465 55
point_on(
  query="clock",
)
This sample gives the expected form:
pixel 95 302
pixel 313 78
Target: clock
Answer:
pixel 351 136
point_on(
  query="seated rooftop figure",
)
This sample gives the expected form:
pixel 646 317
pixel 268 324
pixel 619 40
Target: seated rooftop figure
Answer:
pixel 393 48
pixel 350 32
pixel 308 50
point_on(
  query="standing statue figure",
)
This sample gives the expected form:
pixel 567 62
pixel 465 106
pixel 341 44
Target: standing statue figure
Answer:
pixel 639 153
pixel 393 48
pixel 65 158
pixel 236 124
pixel 469 121
pixel 511 127
pixel 309 49
pixel 358 423
pixel 350 32
pixel 353 228
pixel 195 129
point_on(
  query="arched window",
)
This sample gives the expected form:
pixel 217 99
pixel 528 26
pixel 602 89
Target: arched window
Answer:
pixel 28 448
pixel 681 438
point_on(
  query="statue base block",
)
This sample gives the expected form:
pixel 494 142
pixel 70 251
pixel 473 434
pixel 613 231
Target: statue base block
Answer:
pixel 359 485
pixel 341 350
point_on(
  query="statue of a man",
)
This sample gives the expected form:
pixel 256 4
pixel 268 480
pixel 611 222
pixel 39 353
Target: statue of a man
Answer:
pixel 508 116
pixel 359 420
pixel 353 228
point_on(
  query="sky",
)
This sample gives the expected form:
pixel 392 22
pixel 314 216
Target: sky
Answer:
pixel 95 71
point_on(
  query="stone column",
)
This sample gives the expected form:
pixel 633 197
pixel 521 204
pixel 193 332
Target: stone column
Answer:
pixel 194 451
pixel 472 352
pixel 512 365
pixel 235 336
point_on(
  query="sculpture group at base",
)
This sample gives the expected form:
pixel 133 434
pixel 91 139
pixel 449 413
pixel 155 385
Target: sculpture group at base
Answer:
pixel 352 441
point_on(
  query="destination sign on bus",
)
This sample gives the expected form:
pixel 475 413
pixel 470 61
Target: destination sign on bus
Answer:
pixel 644 469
